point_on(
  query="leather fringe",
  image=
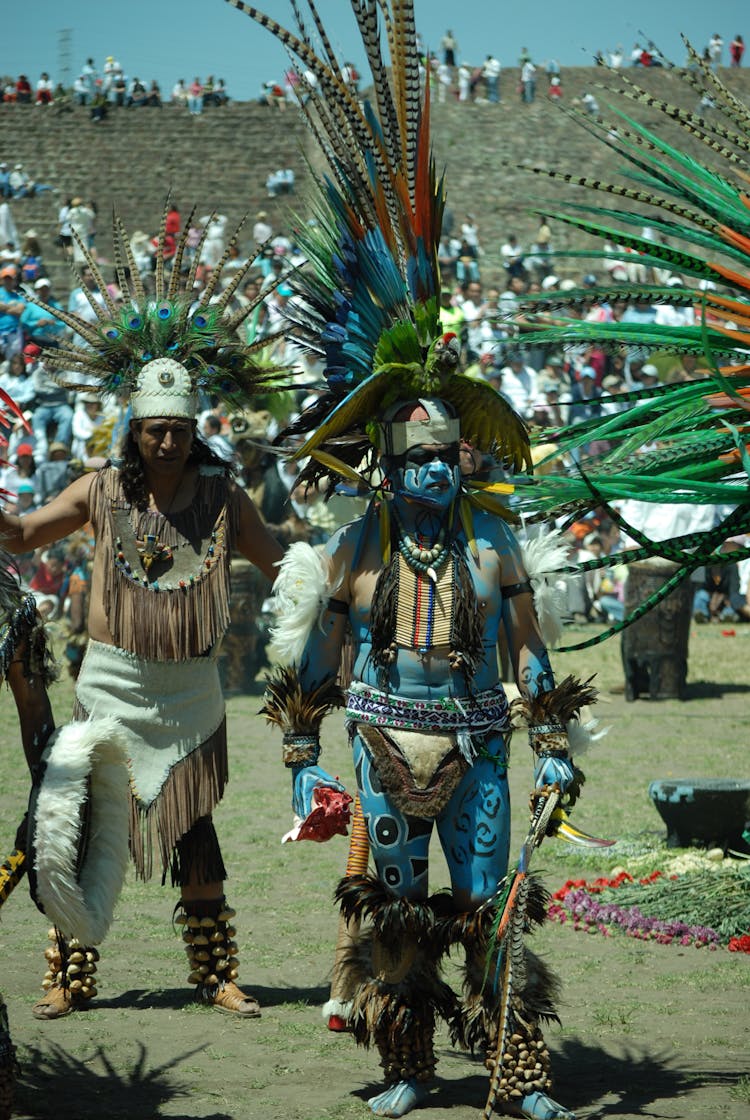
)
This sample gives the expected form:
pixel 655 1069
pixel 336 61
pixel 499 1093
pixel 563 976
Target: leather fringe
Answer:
pixel 173 623
pixel 192 790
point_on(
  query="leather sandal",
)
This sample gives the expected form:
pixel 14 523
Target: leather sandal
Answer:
pixel 233 1001
pixel 57 1003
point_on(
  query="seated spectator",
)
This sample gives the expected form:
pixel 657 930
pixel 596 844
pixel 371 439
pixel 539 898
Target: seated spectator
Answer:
pixel 221 97
pixel 272 94
pixel 280 182
pixel 44 90
pixel 179 93
pixel 467 265
pixel 137 94
pixel 22 186
pixel 554 92
pixel 32 265
pixel 99 106
pixel 512 255
pixel 23 90
pixel 262 230
pixel 51 409
pixel 452 316
pixel 87 417
pixel 82 94
pixel 519 384
pixel 119 89
pixel 208 92
pixel 153 98
pixel 718 599
pixel 12 306
pixel 53 473
pixel 590 104
pixel 212 435
pixel 26 501
pixel 5 191
pixel 47 581
pixel 39 326
pixel 21 468
pixel 14 381
pixel 195 97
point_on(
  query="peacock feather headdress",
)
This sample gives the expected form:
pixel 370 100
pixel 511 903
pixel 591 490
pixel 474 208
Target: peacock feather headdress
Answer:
pixel 163 333
pixel 368 306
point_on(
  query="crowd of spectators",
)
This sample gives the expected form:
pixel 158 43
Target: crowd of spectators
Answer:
pixel 111 87
pixel 450 75
pixel 64 432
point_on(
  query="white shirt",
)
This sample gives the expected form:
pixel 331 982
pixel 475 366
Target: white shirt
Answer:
pixel 519 388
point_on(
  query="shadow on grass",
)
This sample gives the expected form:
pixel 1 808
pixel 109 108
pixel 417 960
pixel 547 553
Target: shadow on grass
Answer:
pixel 589 1080
pixel 54 1083
pixel 713 690
pixel 176 999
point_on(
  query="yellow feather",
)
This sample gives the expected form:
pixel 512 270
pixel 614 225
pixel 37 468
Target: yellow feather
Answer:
pixel 492 487
pixel 385 532
pixel 467 523
pixel 490 505
pixel 337 465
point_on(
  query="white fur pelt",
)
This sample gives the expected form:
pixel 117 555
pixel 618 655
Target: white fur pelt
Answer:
pixel 300 595
pixel 543 558
pixel 93 750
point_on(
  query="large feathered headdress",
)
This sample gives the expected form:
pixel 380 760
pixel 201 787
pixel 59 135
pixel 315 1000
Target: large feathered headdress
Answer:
pixel 166 347
pixel 368 308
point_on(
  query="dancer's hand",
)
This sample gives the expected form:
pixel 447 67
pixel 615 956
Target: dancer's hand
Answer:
pixel 551 770
pixel 304 781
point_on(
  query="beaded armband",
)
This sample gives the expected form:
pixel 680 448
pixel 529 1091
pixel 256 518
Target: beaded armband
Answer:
pixel 299 713
pixel 548 740
pixel 300 750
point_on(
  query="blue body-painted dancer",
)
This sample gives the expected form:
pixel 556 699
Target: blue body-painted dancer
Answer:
pixel 426 590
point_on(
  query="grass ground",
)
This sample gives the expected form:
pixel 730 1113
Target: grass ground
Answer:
pixel 648 1030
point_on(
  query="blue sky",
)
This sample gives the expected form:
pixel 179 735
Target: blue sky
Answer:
pixel 169 39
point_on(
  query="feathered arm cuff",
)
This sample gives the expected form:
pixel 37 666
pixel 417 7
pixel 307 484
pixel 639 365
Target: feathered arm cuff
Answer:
pixel 299 713
pixel 300 593
pixel 548 714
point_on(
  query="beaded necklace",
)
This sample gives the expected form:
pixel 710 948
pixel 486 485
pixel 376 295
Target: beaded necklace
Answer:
pixel 424 560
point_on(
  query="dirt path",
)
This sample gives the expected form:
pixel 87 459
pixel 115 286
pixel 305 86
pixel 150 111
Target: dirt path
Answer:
pixel 648 1030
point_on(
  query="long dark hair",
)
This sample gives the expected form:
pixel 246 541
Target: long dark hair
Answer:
pixel 131 467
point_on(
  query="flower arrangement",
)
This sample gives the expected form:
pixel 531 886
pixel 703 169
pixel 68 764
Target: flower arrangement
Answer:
pixel 704 911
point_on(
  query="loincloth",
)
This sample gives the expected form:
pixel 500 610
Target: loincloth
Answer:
pixel 173 712
pixel 418 772
pixel 422 748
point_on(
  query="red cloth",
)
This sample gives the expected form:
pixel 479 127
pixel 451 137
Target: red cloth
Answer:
pixel 329 816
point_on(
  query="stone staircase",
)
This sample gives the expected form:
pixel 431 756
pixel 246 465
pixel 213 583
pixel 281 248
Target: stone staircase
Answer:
pixel 221 159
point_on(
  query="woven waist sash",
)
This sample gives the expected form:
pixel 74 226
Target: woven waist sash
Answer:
pixel 478 714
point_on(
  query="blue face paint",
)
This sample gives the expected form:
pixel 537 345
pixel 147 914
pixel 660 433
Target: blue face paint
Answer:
pixel 429 476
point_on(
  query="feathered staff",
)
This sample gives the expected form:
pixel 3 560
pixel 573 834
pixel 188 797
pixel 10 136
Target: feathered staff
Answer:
pixel 369 306
pixel 520 904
